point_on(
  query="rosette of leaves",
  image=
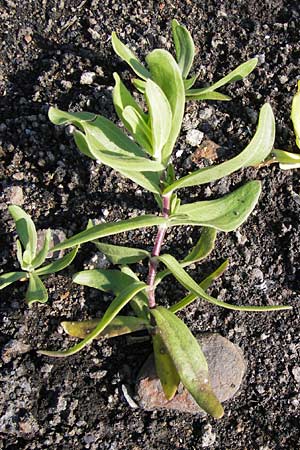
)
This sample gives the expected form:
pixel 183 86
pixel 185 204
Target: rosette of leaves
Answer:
pixel 289 160
pixel 145 158
pixel 31 260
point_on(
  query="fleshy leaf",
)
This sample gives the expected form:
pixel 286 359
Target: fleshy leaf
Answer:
pixel 203 247
pixel 114 308
pixel 59 117
pixel 205 284
pixel 119 254
pixel 295 114
pixel 166 73
pixel 189 82
pixel 188 359
pixel 214 95
pixel 59 264
pixel 185 48
pixel 109 229
pixel 26 232
pixel 8 278
pixel 286 160
pixel 256 151
pixel 160 117
pixel 139 303
pixel 140 85
pixel 165 368
pixel 103 279
pixel 36 291
pixel 185 280
pixel 225 214
pixel 237 74
pixel 118 326
pixel 42 254
pixel 128 56
pixel 138 127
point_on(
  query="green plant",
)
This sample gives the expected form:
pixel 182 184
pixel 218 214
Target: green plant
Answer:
pixel 289 160
pixel 146 160
pixel 30 260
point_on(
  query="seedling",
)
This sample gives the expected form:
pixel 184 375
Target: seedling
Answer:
pixel 146 159
pixel 289 160
pixel 30 260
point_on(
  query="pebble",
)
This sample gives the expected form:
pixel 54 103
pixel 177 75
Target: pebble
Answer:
pixel 14 195
pixel 296 373
pixel 194 137
pixel 208 438
pixel 12 349
pixel 87 78
pixel 226 365
pixel 56 237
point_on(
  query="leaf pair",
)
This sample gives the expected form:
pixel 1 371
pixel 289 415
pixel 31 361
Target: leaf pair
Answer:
pixel 30 260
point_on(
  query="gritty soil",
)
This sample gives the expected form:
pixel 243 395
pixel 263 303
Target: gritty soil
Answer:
pixel 78 403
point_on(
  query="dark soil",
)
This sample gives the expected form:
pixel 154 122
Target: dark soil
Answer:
pixel 77 403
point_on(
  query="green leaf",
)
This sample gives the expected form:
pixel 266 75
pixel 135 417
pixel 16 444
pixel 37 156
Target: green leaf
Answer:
pixel 8 278
pixel 138 127
pixel 119 254
pixel 205 284
pixel 295 114
pixel 59 117
pixel 185 48
pixel 214 95
pixel 160 117
pixel 59 264
pixel 82 144
pixel 185 280
pixel 42 254
pixel 128 56
pixel 26 232
pixel 287 160
pixel 20 254
pixel 256 151
pixel 140 85
pixel 188 359
pixel 166 73
pixel 139 302
pixel 165 367
pixel 225 214
pixel 189 82
pixel 109 229
pixel 36 291
pixel 200 251
pixel 114 308
pixel 203 247
pixel 103 279
pixel 122 98
pixel 237 74
pixel 118 326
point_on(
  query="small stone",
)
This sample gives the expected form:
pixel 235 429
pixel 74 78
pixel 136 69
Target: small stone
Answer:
pixel 208 438
pixel 283 79
pixel 194 137
pixel 56 237
pixel 296 373
pixel 241 238
pixel 206 113
pixel 27 38
pixel 19 176
pixel 87 78
pixel 12 349
pixel 207 150
pixel 14 195
pixel 66 84
pixel 226 367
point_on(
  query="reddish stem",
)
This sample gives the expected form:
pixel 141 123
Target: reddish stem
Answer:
pixel 156 252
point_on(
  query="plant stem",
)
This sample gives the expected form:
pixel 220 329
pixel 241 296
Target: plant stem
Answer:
pixel 156 252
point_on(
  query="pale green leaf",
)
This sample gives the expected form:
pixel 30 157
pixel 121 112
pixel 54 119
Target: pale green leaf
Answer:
pixel 237 74
pixel 20 253
pixel 188 359
pixel 214 95
pixel 82 144
pixel 138 127
pixel 160 117
pixel 189 82
pixel 42 254
pixel 166 73
pixel 8 278
pixel 36 291
pixel 140 85
pixel 295 114
pixel 59 264
pixel 128 56
pixel 165 368
pixel 26 232
pixel 185 48
pixel 203 247
pixel 286 160
pixel 109 229
pixel 118 326
pixel 122 98
pixel 225 214
pixel 114 308
pixel 139 302
pixel 256 151
pixel 185 280
pixel 59 117
pixel 103 279
pixel 119 254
